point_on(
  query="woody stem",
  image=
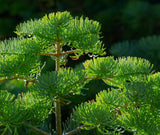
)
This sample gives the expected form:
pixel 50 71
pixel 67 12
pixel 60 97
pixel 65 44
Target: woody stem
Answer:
pixel 57 100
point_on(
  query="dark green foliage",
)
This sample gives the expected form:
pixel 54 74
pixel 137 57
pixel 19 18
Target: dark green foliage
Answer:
pixel 13 12
pixel 147 47
pixel 49 63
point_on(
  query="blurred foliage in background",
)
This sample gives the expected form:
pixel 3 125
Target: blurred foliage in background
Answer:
pixel 12 12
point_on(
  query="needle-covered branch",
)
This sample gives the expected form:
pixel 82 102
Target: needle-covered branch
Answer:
pixel 62 53
pixel 132 105
pixel 41 132
pixel 78 129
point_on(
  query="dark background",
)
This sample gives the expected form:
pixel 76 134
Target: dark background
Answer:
pixel 120 19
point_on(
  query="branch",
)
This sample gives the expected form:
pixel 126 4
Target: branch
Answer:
pixel 57 102
pixel 14 77
pixel 95 78
pixel 35 129
pixel 115 76
pixel 75 130
pixel 2 80
pixel 62 53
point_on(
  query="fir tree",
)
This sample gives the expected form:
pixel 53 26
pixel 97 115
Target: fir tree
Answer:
pixel 132 105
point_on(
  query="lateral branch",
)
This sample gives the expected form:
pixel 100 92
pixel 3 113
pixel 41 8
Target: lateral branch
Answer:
pixel 76 130
pixel 36 129
pixel 62 53
pixel 16 77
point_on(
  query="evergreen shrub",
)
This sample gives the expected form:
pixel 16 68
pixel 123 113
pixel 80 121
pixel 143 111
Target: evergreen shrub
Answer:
pixel 132 104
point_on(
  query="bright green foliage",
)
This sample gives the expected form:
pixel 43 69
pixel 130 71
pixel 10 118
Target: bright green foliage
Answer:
pixel 62 84
pixel 132 105
pixel 94 115
pixel 28 106
pixel 143 115
pixel 111 98
pixel 84 35
pixel 141 120
pixel 19 46
pixel 78 33
pixel 17 65
pixel 117 72
pixel 20 59
pixel 101 114
pixel 135 107
pixel 20 56
pixel 100 67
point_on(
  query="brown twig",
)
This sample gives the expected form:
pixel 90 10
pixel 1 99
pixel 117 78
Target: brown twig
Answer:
pixel 35 129
pixel 14 77
pixel 61 54
pixel 75 130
